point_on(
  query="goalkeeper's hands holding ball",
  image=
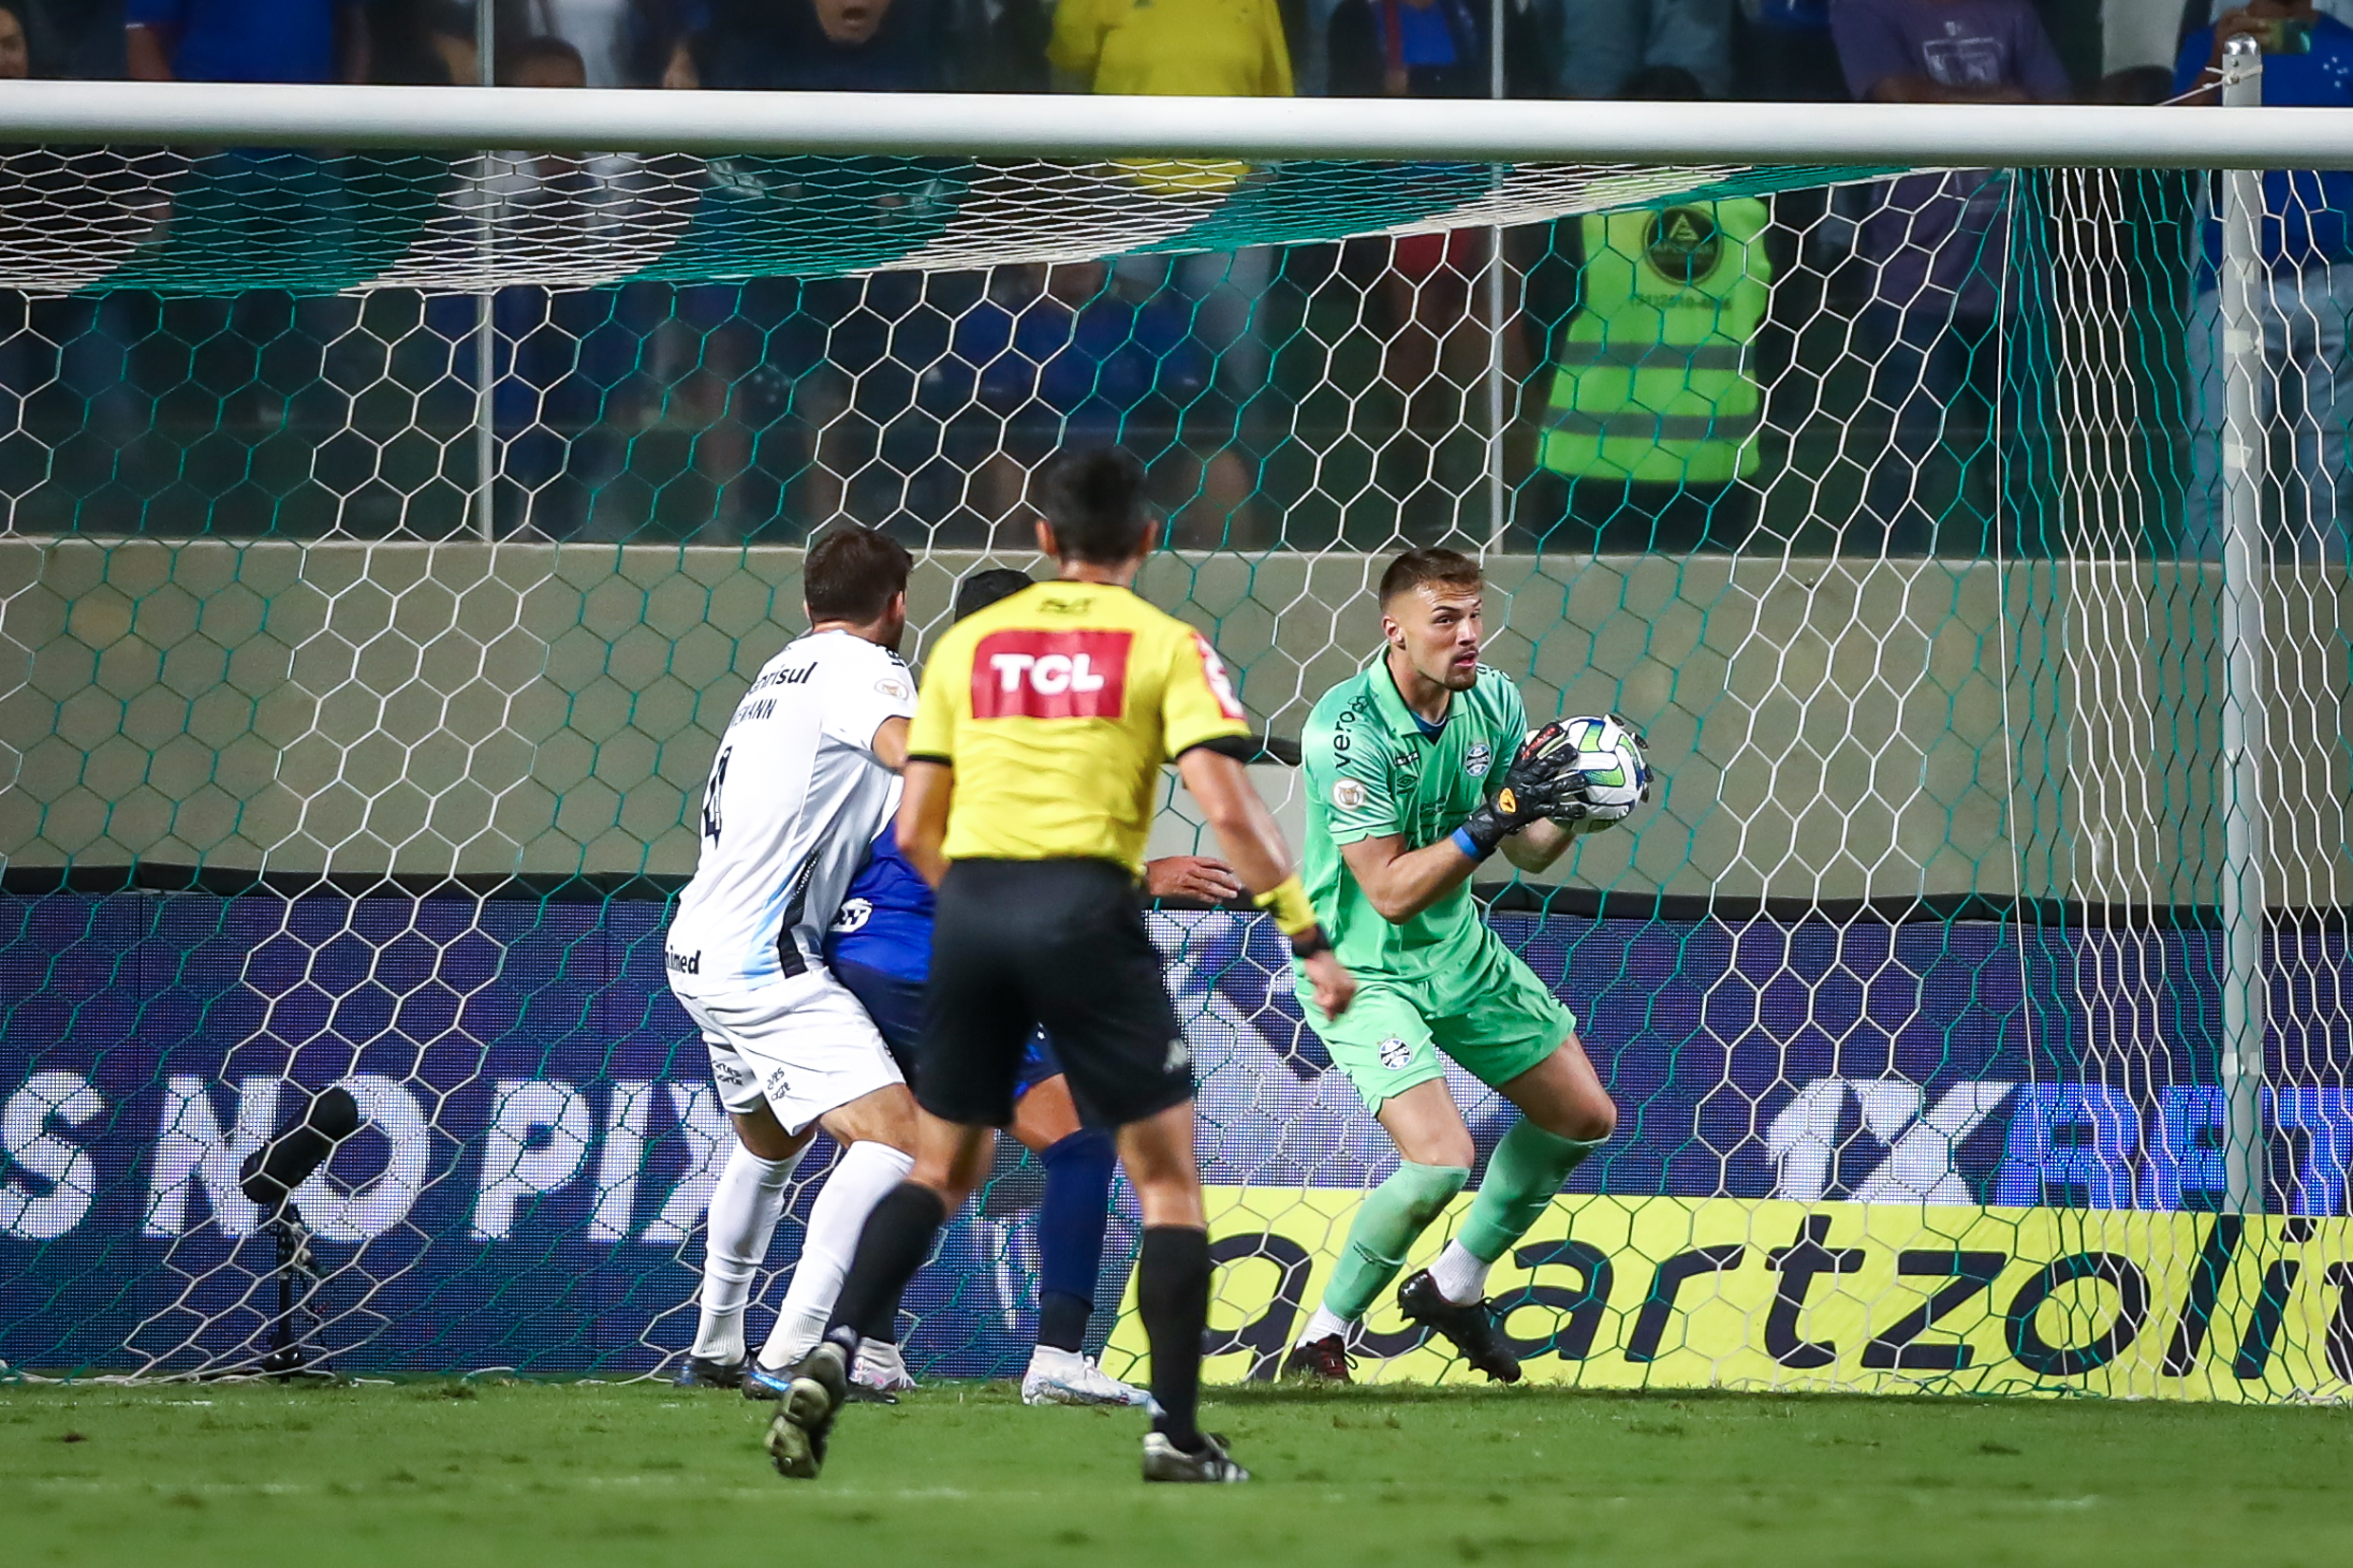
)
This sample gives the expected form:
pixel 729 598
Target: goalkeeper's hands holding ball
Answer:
pixel 1552 779
pixel 1543 784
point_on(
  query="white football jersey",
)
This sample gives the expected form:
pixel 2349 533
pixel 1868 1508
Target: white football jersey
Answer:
pixel 795 797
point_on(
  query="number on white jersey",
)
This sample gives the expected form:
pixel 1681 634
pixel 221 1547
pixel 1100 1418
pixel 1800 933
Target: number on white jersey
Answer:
pixel 711 793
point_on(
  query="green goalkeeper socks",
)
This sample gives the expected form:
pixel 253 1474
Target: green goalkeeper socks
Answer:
pixel 1392 1215
pixel 1524 1176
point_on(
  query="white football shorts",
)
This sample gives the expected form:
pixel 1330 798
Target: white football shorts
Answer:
pixel 803 1044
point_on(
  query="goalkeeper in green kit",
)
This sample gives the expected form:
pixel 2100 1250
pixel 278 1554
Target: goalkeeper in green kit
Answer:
pixel 1418 769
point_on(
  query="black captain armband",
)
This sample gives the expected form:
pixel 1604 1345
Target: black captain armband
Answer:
pixel 1242 748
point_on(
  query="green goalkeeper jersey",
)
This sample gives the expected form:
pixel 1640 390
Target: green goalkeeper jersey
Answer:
pixel 1373 769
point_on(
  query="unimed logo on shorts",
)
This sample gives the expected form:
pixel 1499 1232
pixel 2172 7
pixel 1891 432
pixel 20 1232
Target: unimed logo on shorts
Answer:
pixel 1050 676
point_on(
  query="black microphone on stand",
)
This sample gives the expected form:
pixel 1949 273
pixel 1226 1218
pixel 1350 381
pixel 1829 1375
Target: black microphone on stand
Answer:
pixel 272 1173
pixel 268 1178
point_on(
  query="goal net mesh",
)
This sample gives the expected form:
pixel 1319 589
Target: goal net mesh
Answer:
pixel 389 537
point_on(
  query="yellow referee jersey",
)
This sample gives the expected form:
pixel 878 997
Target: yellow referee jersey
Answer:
pixel 1056 706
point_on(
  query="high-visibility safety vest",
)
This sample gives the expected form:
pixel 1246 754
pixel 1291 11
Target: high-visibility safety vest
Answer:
pixel 1656 379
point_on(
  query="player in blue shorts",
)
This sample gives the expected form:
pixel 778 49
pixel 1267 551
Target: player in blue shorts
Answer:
pixel 881 949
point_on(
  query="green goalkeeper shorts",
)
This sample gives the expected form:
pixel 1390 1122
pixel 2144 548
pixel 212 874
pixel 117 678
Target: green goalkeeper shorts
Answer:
pixel 1492 1015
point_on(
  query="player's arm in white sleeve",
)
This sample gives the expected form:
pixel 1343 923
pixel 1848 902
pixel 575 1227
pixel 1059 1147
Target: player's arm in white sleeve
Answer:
pixel 872 705
pixel 890 744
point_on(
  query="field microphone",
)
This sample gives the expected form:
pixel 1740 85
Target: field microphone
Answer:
pixel 272 1173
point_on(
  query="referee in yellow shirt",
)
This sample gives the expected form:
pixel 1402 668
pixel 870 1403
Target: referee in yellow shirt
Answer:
pixel 1032 774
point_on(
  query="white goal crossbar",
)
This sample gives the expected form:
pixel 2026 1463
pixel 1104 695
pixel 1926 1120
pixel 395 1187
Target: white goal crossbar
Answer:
pixel 1068 126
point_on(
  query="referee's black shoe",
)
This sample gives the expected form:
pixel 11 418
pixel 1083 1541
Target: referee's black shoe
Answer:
pixel 1212 1466
pixel 796 1439
pixel 701 1372
pixel 1469 1329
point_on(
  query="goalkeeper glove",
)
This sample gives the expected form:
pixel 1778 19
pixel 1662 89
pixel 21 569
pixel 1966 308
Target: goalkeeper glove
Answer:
pixel 1542 781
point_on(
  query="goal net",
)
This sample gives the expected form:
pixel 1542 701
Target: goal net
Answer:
pixel 390 531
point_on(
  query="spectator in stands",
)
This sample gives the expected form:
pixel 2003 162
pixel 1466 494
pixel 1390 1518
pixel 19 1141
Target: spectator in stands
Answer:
pixel 1231 48
pixel 1784 54
pixel 1005 43
pixel 266 351
pixel 1655 410
pixel 1221 48
pixel 819 45
pixel 1937 245
pixel 1947 51
pixel 543 62
pixel 1602 44
pixel 827 339
pixel 1425 48
pixel 2196 14
pixel 74 40
pixel 1062 356
pixel 421 42
pixel 601 32
pixel 15 44
pixel 2303 294
pixel 565 353
pixel 1408 48
pixel 246 40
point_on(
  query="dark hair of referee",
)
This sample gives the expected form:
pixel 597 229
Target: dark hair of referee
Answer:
pixel 1096 524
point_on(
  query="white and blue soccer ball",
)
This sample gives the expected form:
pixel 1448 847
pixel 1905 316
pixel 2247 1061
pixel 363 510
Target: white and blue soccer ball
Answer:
pixel 1615 760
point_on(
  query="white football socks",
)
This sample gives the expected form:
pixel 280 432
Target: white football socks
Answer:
pixel 1322 1323
pixel 864 1176
pixel 744 1207
pixel 1460 1276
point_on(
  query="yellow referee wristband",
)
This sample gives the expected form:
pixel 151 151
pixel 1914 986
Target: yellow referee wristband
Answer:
pixel 1288 900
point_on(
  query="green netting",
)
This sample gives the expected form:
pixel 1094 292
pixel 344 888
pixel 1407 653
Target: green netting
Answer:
pixel 358 704
pixel 216 222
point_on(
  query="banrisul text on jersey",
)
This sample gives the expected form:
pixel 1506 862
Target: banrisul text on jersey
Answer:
pixel 795 797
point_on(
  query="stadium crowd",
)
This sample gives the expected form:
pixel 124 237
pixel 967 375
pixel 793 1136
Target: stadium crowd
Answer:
pixel 796 387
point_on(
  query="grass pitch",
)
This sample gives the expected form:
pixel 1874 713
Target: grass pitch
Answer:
pixel 431 1475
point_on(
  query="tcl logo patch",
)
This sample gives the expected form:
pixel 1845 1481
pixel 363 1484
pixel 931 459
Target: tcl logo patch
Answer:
pixel 1050 676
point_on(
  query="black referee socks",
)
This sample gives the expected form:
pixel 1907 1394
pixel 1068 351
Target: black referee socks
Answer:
pixel 1171 1293
pixel 897 1239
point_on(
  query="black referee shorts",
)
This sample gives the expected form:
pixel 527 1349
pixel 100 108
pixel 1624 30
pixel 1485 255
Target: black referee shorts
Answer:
pixel 1058 942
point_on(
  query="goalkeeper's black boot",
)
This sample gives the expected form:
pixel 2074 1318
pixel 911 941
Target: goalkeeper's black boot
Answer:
pixel 1469 1329
pixel 701 1372
pixel 796 1439
pixel 1323 1360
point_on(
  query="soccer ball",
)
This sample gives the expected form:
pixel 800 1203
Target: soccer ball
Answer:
pixel 1615 760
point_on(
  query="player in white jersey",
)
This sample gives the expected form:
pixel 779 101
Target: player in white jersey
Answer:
pixel 799 789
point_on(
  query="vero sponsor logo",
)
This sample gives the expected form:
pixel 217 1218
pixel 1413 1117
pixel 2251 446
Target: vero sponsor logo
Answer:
pixel 1050 676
